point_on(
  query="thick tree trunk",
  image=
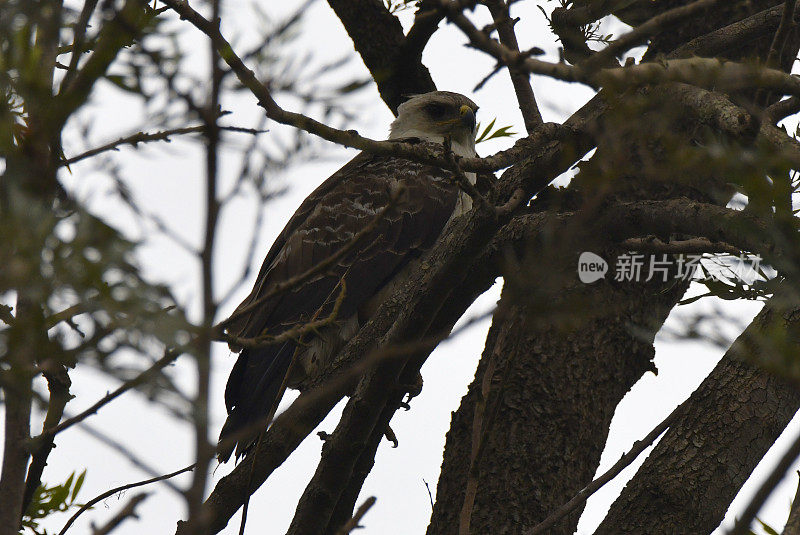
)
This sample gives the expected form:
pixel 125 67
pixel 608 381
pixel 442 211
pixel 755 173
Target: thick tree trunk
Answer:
pixel 565 379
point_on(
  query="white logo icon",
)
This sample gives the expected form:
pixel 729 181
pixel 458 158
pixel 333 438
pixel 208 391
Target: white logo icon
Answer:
pixel 591 267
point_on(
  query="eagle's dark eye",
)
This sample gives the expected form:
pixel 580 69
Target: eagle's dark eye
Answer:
pixel 435 110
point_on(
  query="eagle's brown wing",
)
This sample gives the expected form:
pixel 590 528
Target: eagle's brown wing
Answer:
pixel 326 221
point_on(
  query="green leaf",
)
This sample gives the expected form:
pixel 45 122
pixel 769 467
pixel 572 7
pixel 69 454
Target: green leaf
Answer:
pixel 78 485
pixel 48 500
pixel 767 527
pixel 486 134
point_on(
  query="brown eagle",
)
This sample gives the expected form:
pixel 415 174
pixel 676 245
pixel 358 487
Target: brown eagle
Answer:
pixel 352 199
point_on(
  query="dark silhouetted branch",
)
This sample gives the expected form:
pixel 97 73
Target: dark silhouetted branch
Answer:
pixel 121 488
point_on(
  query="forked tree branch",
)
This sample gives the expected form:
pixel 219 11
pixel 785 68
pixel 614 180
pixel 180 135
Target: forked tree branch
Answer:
pixel 500 11
pixel 393 59
pixel 638 447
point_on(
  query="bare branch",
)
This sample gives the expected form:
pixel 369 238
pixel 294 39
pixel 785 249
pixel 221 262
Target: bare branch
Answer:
pixel 293 334
pixel 782 109
pixel 78 38
pixel 142 137
pixel 113 491
pixel 393 59
pixel 426 22
pixel 519 79
pixel 592 11
pixel 126 454
pixel 113 37
pixel 353 522
pixel 732 35
pixel 710 73
pixel 169 357
pixel 644 31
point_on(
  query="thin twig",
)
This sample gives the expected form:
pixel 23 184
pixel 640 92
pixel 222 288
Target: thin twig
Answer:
pixel 204 451
pixel 461 179
pixel 345 376
pixel 169 357
pixel 126 453
pixel 711 73
pixel 129 511
pixel 778 42
pixel 145 137
pixel 644 31
pixel 78 40
pixel 113 491
pixel 430 496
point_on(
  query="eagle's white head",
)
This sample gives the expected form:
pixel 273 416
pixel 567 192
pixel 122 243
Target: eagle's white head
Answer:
pixel 435 116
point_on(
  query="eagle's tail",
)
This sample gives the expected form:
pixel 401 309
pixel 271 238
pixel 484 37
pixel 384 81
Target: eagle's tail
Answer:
pixel 251 397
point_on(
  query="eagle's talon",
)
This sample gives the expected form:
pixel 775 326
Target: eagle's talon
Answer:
pixel 413 389
pixel 391 437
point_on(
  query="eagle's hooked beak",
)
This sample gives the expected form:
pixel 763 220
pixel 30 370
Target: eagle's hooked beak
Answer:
pixel 467 117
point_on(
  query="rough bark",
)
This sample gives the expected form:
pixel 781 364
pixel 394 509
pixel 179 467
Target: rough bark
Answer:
pixel 567 375
pixel 732 419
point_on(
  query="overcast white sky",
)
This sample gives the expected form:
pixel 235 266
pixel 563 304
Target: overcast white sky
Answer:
pixel 169 179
